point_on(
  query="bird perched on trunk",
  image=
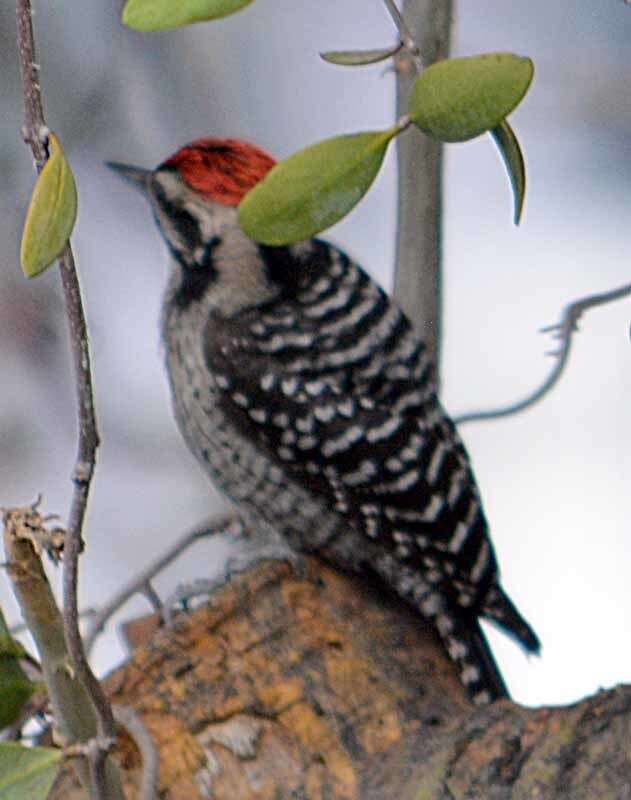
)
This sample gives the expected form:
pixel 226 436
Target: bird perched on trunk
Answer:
pixel 303 391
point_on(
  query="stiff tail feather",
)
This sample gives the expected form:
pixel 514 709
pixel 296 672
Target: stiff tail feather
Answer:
pixel 469 649
pixel 499 608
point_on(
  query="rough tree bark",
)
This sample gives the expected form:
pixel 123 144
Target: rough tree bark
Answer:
pixel 319 686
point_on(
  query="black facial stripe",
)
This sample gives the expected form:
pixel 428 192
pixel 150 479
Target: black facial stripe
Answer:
pixel 205 262
pixel 188 248
pixel 194 283
pixel 185 224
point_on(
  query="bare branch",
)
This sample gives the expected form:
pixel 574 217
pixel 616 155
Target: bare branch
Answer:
pixel 88 748
pixel 417 278
pixel 84 468
pixel 139 583
pixel 20 627
pixel 35 132
pixel 563 330
pixel 152 596
pixel 132 723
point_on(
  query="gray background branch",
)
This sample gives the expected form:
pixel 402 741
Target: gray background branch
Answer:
pixel 418 281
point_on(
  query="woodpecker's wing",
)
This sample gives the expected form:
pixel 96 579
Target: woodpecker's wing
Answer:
pixel 401 482
pixel 335 387
pixel 380 470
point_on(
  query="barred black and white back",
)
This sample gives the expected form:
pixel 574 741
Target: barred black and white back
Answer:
pixel 302 389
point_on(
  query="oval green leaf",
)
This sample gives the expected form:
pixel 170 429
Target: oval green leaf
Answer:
pixel 314 188
pixel 164 15
pixel 51 213
pixel 508 145
pixel 27 773
pixel 359 58
pixel 460 98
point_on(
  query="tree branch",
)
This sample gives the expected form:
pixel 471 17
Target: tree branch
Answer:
pixel 319 685
pixel 139 582
pixel 563 330
pixel 405 35
pixel 127 717
pixel 35 134
pixel 24 536
pixel 417 278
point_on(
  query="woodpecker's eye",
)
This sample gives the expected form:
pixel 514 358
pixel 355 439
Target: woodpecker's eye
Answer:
pixel 203 254
pixel 183 223
pixel 186 225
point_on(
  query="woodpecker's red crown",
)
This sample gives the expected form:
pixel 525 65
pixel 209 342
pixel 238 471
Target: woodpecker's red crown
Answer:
pixel 222 170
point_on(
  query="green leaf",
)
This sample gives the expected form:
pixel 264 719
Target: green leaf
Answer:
pixel 460 98
pixel 163 15
pixel 15 690
pixel 359 58
pixel 314 188
pixel 506 140
pixel 15 687
pixel 7 643
pixel 27 773
pixel 10 646
pixel 51 214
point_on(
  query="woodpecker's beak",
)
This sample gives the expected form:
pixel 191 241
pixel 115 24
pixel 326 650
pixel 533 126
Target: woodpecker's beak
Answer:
pixel 137 176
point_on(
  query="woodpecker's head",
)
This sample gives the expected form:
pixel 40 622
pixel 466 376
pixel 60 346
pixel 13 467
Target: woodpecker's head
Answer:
pixel 194 196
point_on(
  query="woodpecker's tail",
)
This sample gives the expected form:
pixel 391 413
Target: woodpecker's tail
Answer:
pixel 499 608
pixel 469 649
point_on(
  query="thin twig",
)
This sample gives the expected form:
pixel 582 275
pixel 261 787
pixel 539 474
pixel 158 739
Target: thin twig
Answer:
pixel 563 330
pixel 152 596
pixel 209 527
pixel 21 627
pixel 405 35
pixel 88 747
pixel 35 132
pixel 132 723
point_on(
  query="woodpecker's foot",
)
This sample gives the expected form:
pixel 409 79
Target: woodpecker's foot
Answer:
pixel 185 593
pixel 255 552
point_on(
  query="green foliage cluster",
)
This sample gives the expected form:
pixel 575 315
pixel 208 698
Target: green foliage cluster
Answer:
pixel 452 101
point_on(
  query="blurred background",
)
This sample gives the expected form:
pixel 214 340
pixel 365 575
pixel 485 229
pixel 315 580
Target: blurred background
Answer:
pixel 555 479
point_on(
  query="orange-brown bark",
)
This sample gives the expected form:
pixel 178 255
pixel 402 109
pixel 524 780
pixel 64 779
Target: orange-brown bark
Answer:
pixel 320 687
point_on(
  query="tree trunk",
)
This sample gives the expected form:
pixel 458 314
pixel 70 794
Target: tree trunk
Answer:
pixel 319 686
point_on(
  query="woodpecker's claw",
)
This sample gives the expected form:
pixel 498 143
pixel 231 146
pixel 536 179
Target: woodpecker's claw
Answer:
pixel 272 551
pixel 251 557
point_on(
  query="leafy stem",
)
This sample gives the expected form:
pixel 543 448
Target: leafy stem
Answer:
pixel 35 133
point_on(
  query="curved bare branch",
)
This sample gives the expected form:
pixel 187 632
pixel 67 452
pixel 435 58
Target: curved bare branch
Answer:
pixel 564 331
